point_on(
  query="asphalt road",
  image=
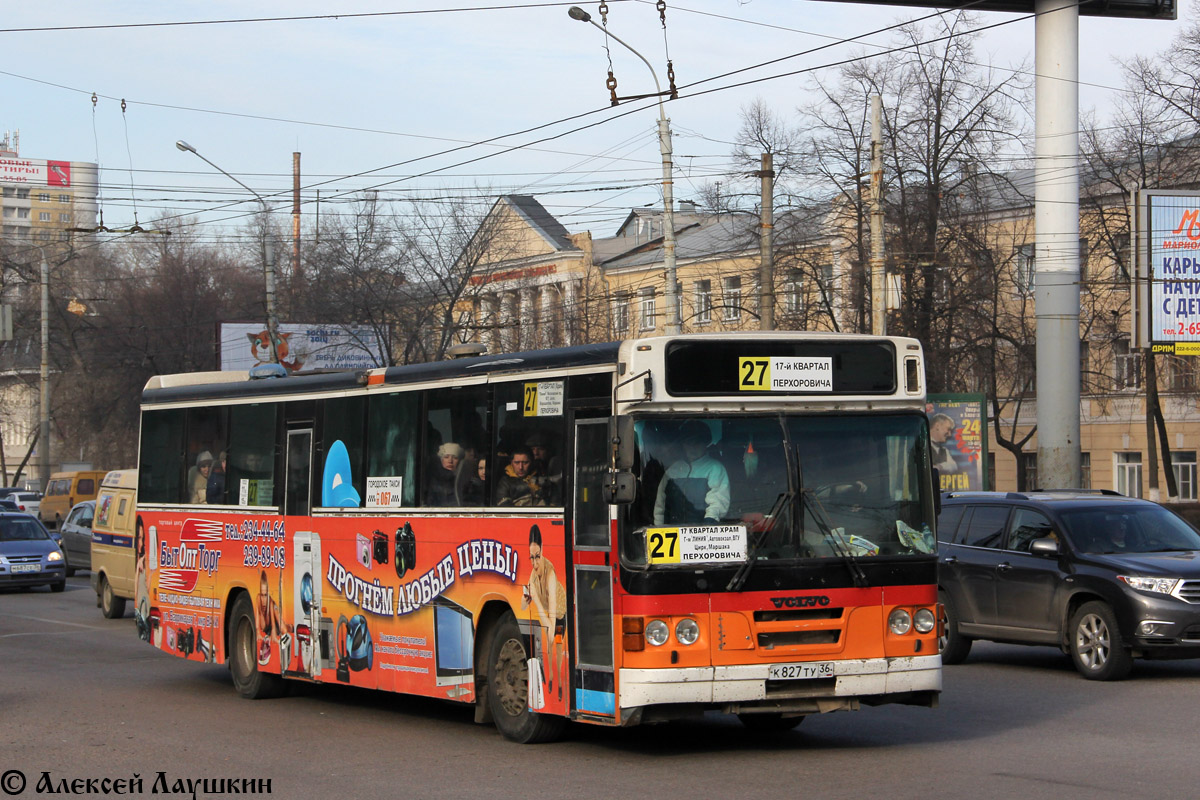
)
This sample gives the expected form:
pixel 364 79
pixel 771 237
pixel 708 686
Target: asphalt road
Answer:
pixel 81 698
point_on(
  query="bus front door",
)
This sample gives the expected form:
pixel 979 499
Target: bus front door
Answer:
pixel 592 656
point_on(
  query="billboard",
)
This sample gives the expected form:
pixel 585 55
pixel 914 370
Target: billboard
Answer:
pixel 958 440
pixel 1168 293
pixel 35 171
pixel 302 348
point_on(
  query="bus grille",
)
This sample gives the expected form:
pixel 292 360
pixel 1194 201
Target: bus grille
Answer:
pixel 798 630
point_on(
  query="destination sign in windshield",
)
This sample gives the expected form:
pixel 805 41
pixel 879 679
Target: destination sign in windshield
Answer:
pixel 760 366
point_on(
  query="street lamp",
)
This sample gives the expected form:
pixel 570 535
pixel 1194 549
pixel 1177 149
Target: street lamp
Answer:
pixel 664 142
pixel 268 252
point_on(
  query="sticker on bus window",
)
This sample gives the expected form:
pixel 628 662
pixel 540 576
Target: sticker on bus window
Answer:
pixel 708 544
pixel 785 374
pixel 543 399
pixel 385 492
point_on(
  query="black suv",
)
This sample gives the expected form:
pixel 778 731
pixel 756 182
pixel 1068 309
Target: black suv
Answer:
pixel 1106 578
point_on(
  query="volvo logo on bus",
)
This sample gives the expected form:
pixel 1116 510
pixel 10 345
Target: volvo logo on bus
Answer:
pixel 801 602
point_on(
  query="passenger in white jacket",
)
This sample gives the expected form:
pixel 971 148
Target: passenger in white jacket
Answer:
pixel 695 489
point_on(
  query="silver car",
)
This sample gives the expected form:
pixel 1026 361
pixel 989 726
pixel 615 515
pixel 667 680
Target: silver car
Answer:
pixel 77 536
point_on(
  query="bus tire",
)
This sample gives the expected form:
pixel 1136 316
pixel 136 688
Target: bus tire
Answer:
pixel 955 647
pixel 250 682
pixel 111 606
pixel 769 723
pixel 508 688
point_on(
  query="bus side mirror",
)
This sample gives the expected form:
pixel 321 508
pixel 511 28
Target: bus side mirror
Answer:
pixel 937 492
pixel 621 439
pixel 620 488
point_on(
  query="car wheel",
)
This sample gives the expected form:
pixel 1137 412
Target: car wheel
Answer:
pixel 58 587
pixel 508 689
pixel 1097 649
pixel 769 723
pixel 250 682
pixel 954 646
pixel 111 606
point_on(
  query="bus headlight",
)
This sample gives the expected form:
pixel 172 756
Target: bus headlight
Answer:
pixel 657 633
pixel 687 631
pixel 923 620
pixel 899 622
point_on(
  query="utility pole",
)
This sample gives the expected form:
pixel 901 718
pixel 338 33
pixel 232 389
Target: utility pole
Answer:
pixel 297 278
pixel 878 277
pixel 44 417
pixel 766 264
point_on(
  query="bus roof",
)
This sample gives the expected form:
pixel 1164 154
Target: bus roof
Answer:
pixel 212 385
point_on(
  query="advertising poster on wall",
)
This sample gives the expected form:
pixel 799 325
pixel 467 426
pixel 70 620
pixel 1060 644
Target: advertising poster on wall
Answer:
pixel 302 348
pixel 958 437
pixel 1174 266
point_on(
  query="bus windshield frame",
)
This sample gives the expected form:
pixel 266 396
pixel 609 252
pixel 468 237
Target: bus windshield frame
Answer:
pixel 787 487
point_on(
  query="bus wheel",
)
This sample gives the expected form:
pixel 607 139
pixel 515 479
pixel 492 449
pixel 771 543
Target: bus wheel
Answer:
pixel 111 606
pixel 243 655
pixel 508 688
pixel 769 723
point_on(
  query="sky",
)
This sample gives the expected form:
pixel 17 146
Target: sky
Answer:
pixel 399 101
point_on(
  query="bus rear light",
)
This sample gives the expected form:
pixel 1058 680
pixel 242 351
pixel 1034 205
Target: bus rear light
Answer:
pixel 632 629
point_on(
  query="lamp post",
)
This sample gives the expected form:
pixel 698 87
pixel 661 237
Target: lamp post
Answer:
pixel 268 252
pixel 664 143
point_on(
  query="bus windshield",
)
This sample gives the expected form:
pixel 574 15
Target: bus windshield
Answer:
pixel 801 487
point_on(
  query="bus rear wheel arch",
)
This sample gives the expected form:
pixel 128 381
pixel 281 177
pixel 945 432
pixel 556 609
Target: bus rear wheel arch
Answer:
pixel 241 648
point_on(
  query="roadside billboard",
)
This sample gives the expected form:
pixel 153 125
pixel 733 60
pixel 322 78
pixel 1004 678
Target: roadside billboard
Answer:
pixel 958 440
pixel 1167 277
pixel 302 348
pixel 36 171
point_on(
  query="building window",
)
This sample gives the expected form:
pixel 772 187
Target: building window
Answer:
pixel 1183 464
pixel 702 291
pixel 733 299
pixel 1029 467
pixel 64 217
pixel 1025 268
pixel 64 198
pixel 620 313
pixel 43 216
pixel 825 271
pixel 649 310
pixel 64 236
pixel 22 213
pixel 22 193
pixel 42 236
pixel 1181 373
pixel 1127 366
pixel 1085 470
pixel 10 191
pixel 44 197
pixel 1085 351
pixel 9 211
pixel 1128 474
pixel 793 292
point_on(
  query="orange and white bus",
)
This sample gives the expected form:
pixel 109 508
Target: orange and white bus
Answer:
pixel 614 534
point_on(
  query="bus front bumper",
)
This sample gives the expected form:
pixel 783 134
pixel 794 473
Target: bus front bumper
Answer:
pixel 871 679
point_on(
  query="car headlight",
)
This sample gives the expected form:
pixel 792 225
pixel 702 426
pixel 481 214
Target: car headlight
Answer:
pixel 687 631
pixel 924 620
pixel 899 622
pixel 3 561
pixel 657 632
pixel 1156 585
pixel 55 556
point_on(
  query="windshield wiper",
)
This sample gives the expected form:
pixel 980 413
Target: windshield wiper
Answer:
pixel 739 577
pixel 834 535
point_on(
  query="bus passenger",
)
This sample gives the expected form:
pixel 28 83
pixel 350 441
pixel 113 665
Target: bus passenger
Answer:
pixel 475 489
pixel 695 489
pixel 520 485
pixel 198 478
pixel 442 488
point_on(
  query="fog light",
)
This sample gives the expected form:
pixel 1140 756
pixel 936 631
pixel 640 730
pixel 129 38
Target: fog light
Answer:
pixel 657 633
pixel 687 631
pixel 899 622
pixel 1153 627
pixel 924 620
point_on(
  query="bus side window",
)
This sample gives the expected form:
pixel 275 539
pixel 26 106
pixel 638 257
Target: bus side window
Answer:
pixel 392 441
